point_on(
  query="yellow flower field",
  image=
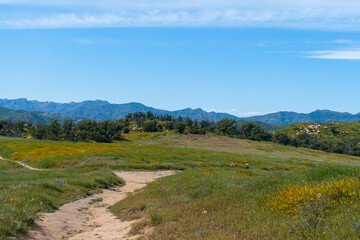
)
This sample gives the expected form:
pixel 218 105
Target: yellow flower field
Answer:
pixel 289 199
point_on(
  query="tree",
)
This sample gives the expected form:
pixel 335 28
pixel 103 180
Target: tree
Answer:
pixel 282 138
pixel 53 130
pixel 150 126
pixel 180 127
pixel 193 129
pixel 68 130
pixel 226 127
pixel 253 131
pixel 150 116
pixel 188 122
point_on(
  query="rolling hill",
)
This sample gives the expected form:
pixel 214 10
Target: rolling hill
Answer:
pixel 31 117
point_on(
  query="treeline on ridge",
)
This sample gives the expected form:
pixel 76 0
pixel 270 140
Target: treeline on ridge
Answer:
pixel 109 131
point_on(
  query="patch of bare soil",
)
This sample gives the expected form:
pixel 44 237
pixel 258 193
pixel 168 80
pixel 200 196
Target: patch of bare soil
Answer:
pixel 89 218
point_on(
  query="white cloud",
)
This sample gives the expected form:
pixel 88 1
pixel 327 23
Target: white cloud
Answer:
pixel 344 55
pixel 330 14
pixel 210 109
pixel 235 112
pixel 250 114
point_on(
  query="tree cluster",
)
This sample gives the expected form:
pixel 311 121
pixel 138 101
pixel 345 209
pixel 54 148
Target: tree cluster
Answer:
pixel 87 130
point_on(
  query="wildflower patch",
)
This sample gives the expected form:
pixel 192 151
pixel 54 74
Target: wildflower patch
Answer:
pixel 291 198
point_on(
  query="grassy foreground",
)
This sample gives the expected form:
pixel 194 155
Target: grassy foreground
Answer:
pixel 287 193
pixel 216 203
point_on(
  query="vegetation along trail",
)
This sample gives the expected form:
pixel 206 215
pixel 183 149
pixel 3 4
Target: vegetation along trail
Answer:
pixel 23 164
pixel 89 218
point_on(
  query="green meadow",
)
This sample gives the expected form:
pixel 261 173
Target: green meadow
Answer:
pixel 288 193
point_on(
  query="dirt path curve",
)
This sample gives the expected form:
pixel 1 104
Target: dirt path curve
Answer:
pixel 85 220
pixel 22 164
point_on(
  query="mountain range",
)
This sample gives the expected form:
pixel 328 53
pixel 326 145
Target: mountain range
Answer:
pixel 103 110
pixel 316 116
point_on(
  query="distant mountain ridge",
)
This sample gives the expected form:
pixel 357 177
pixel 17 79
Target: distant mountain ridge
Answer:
pixel 103 110
pixel 316 116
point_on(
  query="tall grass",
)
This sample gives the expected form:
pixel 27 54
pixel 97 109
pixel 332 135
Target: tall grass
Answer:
pixel 221 203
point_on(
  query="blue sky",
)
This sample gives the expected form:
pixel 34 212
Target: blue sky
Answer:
pixel 240 57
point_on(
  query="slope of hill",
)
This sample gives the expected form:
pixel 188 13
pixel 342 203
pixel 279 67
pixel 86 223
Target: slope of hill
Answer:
pixel 316 116
pixel 103 110
pixel 327 131
pixel 264 125
pixel 337 137
pixel 30 117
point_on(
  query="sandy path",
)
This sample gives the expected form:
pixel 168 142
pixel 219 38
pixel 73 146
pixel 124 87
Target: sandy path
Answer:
pixel 23 164
pixel 82 220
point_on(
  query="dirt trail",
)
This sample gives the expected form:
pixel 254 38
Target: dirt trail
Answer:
pixel 23 164
pixel 83 220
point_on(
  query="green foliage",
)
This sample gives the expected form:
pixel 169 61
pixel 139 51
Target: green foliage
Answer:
pixel 96 200
pixel 156 219
pixel 180 127
pixel 252 131
pixel 150 126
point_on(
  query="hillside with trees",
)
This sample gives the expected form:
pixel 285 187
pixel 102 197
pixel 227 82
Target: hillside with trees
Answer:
pixel 337 137
pixel 32 117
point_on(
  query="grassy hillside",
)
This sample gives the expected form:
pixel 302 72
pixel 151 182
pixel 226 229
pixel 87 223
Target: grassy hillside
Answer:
pixel 333 131
pixel 30 117
pixel 264 125
pixel 332 137
pixel 288 193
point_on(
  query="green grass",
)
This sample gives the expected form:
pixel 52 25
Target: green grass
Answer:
pixel 222 203
pixel 96 200
pixel 137 155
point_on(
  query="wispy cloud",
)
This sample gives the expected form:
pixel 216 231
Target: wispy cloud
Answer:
pixel 350 42
pixel 235 112
pixel 341 55
pixel 330 14
pixel 250 114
